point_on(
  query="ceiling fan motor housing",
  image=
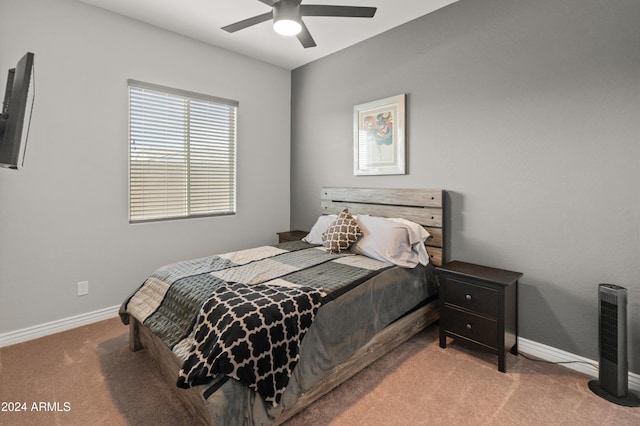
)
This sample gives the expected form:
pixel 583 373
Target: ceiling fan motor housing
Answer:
pixel 286 10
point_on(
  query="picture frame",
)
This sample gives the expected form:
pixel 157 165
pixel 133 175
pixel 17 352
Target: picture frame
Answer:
pixel 379 137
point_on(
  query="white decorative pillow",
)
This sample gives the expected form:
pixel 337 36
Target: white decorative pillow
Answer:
pixel 342 233
pixel 392 241
pixel 315 235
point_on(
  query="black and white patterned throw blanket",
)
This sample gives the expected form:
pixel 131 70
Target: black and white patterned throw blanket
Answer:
pixel 243 315
pixel 251 334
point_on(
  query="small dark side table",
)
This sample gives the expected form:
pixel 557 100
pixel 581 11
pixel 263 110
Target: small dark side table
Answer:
pixel 479 304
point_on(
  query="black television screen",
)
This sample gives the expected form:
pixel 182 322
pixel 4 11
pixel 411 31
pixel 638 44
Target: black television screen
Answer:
pixel 16 113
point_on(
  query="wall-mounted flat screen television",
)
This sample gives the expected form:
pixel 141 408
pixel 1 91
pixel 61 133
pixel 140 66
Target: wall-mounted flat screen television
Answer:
pixel 16 113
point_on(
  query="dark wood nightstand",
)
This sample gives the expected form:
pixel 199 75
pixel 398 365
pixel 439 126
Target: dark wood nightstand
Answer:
pixel 479 304
pixel 284 237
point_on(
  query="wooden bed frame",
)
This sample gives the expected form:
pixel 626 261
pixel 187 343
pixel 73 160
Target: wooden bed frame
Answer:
pixel 425 207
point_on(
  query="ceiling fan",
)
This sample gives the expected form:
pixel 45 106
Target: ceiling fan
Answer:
pixel 287 17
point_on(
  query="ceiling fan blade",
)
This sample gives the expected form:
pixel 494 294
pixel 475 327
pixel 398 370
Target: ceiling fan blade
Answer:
pixel 305 37
pixel 248 22
pixel 268 2
pixel 341 11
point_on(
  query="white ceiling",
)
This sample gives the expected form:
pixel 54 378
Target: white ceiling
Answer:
pixel 202 20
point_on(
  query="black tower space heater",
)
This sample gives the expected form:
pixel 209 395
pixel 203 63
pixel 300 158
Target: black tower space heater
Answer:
pixel 613 375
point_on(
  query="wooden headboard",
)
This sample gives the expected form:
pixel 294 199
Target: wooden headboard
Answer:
pixel 423 206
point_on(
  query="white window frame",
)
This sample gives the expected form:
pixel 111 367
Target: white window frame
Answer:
pixel 182 153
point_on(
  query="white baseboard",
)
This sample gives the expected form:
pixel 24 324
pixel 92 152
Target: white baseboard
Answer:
pixel 547 353
pixel 30 333
pixel 585 365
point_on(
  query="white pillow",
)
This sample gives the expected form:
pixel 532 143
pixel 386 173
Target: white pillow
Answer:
pixel 315 235
pixel 417 236
pixel 396 241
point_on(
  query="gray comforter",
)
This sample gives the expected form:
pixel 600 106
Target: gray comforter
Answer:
pixel 372 294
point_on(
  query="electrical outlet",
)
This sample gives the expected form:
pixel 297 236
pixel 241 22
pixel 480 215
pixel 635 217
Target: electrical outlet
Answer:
pixel 83 288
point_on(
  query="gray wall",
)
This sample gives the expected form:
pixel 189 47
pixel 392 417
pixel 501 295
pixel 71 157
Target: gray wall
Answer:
pixel 528 112
pixel 63 218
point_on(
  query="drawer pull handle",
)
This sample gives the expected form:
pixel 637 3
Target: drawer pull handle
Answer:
pixel 468 297
pixel 468 326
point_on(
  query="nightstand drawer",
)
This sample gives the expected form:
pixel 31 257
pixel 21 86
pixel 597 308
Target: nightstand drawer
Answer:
pixel 473 327
pixel 483 300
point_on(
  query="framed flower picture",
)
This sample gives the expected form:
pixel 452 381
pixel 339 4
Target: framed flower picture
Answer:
pixel 379 137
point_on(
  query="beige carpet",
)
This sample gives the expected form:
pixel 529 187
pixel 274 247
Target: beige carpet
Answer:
pixel 92 370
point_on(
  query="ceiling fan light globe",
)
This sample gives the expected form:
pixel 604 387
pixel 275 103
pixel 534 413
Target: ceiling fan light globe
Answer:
pixel 287 27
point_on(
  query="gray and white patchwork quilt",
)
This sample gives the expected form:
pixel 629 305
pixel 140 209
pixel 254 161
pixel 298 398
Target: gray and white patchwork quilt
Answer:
pixel 243 315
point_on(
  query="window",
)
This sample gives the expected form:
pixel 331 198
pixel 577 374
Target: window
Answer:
pixel 182 154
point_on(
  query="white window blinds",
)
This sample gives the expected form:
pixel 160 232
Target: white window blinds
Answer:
pixel 182 153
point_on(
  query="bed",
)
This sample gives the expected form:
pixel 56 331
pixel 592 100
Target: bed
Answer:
pixel 376 308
